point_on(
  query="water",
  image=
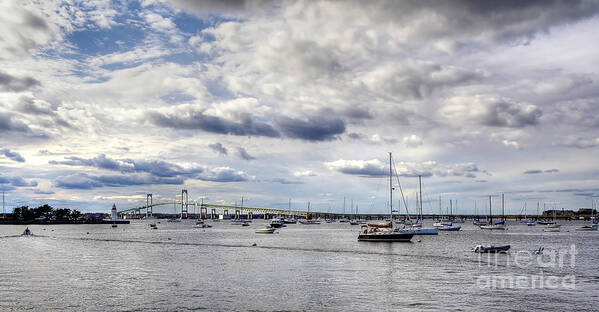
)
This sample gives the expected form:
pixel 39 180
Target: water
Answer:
pixel 302 267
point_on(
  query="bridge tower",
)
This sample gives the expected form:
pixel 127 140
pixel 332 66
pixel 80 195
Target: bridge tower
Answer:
pixel 203 210
pixel 149 204
pixel 184 204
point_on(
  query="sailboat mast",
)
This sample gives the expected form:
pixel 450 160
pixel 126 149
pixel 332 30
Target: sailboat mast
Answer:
pixel 390 189
pixel 490 214
pixel 502 206
pixel 420 192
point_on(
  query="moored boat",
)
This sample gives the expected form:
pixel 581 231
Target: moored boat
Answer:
pixel 490 249
pixel 450 228
pixel 385 232
pixel 266 230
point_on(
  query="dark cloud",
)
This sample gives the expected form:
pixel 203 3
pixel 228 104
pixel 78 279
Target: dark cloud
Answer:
pixel 486 20
pixel 219 148
pixel 242 153
pixel 140 172
pixel 10 183
pixel 9 122
pixel 375 168
pixel 222 6
pixel 12 155
pixel 358 113
pixel 512 115
pixel 537 171
pixel 15 84
pixel 86 181
pixel 155 167
pixel 534 171
pixel 196 120
pixel 312 129
pixel 355 136
pixel 29 106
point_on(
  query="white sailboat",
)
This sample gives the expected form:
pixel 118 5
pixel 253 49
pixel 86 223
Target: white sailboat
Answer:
pixel 555 227
pixel 490 225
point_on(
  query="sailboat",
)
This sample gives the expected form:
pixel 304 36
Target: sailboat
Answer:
pixel 419 229
pixel 385 232
pixel 553 227
pixel 448 226
pixel 308 221
pixel 593 226
pixel 490 225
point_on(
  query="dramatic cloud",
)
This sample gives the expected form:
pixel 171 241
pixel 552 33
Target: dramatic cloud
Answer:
pixel 12 155
pixel 155 167
pixel 14 84
pixel 243 154
pixel 197 120
pixel 312 129
pixel 492 111
pixel 11 183
pixel 9 122
pixel 375 167
pixel 219 148
pixel 86 181
pixel 536 171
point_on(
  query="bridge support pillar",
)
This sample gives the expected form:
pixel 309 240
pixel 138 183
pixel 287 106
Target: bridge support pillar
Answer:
pixel 213 213
pixel 226 212
pixel 237 214
pixel 203 213
pixel 184 204
pixel 250 215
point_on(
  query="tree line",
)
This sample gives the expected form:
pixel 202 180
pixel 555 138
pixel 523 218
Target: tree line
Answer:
pixel 45 211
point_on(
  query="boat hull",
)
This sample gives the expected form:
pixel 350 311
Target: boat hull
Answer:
pixel 422 231
pixel 450 228
pixel 386 237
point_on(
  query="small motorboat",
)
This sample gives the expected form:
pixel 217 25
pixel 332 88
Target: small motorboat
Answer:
pixel 450 228
pixel 586 228
pixel 27 232
pixel 277 223
pixel 266 230
pixel 114 225
pixel 173 220
pixel 442 224
pixel 532 223
pixel 490 249
pixel 203 225
pixel 153 226
pixel 552 228
pixel 309 222
pixel 245 224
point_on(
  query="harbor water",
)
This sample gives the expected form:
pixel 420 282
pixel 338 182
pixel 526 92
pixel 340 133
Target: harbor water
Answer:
pixel 179 267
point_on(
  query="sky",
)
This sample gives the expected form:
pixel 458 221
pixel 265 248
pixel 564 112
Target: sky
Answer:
pixel 102 102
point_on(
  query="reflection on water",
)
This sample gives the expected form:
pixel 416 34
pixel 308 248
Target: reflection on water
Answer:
pixel 324 267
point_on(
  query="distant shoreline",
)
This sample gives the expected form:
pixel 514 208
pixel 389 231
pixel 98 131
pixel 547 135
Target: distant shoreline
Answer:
pixel 51 222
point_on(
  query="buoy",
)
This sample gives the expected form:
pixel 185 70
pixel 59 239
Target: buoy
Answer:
pixel 254 244
pixel 169 238
pixel 419 241
pixel 87 232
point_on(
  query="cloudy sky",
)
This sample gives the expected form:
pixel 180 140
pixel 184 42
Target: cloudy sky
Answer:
pixel 105 101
